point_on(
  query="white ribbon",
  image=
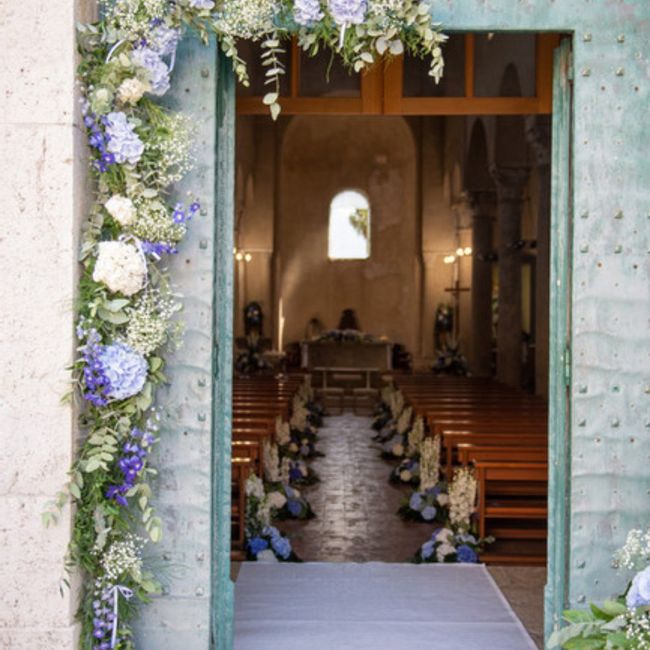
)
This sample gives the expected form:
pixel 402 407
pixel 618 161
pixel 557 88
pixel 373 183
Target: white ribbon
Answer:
pixel 126 593
pixel 112 50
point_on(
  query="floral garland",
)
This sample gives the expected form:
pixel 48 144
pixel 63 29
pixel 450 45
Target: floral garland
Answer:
pixel 127 307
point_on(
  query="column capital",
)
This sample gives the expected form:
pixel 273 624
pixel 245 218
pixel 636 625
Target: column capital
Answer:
pixel 482 203
pixel 509 181
pixel 538 135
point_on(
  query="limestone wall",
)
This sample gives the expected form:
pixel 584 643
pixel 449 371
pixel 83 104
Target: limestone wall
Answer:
pixel 42 170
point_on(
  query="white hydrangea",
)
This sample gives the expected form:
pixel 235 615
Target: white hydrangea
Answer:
pixel 121 209
pixel 267 555
pixel 121 267
pixel 254 487
pixel 131 91
pixel 443 551
pixel 276 500
pixel 462 498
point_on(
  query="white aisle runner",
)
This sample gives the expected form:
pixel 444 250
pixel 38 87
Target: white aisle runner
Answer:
pixel 374 606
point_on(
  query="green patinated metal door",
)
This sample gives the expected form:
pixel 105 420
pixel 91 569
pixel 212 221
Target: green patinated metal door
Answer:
pixel 599 386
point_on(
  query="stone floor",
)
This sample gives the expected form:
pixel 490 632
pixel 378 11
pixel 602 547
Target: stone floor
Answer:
pixel 356 517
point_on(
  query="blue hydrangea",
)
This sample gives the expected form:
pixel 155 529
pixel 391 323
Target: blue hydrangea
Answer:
pixel 429 513
pixel 415 502
pixel 427 549
pixel 164 40
pixel 466 555
pixel 257 545
pixel 157 71
pixel 639 593
pixel 348 12
pixel 281 546
pixel 307 12
pixel 123 142
pixel 125 369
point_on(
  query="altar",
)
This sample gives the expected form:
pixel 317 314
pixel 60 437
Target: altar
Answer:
pixel 347 354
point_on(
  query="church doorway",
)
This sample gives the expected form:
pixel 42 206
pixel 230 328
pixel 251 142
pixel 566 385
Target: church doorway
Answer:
pixel 393 264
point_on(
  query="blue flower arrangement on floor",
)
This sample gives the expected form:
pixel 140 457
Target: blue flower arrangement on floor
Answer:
pixel 447 546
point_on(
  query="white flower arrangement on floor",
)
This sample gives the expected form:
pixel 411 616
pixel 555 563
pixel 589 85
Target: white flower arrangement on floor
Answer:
pixel 138 148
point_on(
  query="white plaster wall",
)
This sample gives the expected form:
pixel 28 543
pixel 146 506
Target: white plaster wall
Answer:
pixel 42 178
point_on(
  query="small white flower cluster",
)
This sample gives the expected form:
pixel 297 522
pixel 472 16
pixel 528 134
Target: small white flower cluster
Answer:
pixel 462 498
pixel 282 432
pixel 415 436
pixel 173 148
pixel 150 322
pixel 429 463
pixel 638 630
pixel 133 17
pixel 285 470
pixel 123 558
pixel 635 554
pixel 155 224
pixel 404 421
pixel 247 19
pixel 120 266
pixel 254 487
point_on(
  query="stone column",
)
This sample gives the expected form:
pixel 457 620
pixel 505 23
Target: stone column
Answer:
pixel 538 132
pixel 510 183
pixel 483 206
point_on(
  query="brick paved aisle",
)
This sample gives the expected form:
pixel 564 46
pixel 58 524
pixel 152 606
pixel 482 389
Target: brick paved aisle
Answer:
pixel 357 522
pixel 355 505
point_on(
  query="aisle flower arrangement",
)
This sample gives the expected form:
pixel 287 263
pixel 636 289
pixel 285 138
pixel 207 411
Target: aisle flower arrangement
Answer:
pixel 458 540
pixel 408 470
pixel 289 502
pixel 622 623
pixel 430 501
pixel 264 542
pixel 138 149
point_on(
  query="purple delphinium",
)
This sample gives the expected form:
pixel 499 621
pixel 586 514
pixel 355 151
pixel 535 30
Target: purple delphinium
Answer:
pixel 307 12
pixel 123 142
pixel 125 369
pixel 96 381
pixel 181 215
pixel 103 617
pixel 97 140
pixel 134 453
pixel 157 70
pixel 158 249
pixel 348 12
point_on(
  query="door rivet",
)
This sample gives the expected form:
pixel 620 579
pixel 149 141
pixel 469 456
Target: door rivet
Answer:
pixel 620 38
pixel 615 422
pixel 581 564
pixel 620 72
pixel 619 215
pixel 205 73
pixel 587 37
pixel 201 417
pixel 584 248
pixel 582 388
pixel 582 422
pixel 203 244
pixel 586 72
pixel 618 249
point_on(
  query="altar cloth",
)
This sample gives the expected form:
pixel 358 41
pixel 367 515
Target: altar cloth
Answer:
pixel 373 606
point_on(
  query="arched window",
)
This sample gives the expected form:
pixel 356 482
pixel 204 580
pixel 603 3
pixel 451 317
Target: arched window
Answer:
pixel 349 227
